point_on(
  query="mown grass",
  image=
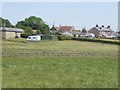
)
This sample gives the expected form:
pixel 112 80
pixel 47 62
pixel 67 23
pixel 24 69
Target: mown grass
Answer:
pixel 59 71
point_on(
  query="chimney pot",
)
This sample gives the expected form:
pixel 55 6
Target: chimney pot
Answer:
pixel 103 26
pixel 96 25
pixel 108 27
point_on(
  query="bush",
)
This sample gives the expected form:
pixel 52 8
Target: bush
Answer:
pixel 63 37
pixel 97 40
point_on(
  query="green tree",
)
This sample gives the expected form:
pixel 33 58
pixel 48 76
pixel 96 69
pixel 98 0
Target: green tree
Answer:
pixel 6 22
pixel 38 32
pixel 27 30
pixel 35 23
pixel 58 33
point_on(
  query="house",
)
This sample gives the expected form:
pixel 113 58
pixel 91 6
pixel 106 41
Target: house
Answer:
pixel 75 33
pixel 83 32
pixel 7 33
pixel 95 30
pixel 66 33
pixel 118 33
pixel 65 30
pixel 53 30
pixel 102 31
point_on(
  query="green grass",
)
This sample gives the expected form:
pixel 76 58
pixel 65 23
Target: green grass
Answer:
pixel 65 46
pixel 60 71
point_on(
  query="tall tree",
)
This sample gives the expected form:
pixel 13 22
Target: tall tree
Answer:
pixel 35 23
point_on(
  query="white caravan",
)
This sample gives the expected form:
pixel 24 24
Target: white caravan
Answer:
pixel 34 38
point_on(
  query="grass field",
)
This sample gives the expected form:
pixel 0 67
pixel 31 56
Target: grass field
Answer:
pixel 44 71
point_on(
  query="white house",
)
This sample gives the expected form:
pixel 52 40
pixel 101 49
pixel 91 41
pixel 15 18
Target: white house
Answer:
pixel 67 34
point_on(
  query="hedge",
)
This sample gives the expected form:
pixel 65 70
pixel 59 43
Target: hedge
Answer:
pixel 96 40
pixel 63 37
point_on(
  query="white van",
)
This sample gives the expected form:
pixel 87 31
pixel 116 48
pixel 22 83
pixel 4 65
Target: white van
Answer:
pixel 34 38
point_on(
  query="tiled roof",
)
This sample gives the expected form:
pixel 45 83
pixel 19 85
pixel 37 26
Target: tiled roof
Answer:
pixel 75 30
pixel 66 28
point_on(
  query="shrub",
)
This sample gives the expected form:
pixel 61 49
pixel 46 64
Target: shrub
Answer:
pixel 96 40
pixel 63 37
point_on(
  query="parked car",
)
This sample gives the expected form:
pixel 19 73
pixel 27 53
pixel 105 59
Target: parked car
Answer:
pixel 88 35
pixel 111 36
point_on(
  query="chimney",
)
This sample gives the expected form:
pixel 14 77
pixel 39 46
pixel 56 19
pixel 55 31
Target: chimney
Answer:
pixel 102 26
pixel 96 25
pixel 108 27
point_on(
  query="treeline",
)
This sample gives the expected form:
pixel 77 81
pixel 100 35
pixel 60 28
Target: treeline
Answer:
pixel 28 24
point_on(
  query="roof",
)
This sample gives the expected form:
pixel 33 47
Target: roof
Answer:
pixel 11 29
pixel 53 29
pixel 57 28
pixel 105 29
pixel 66 28
pixel 75 30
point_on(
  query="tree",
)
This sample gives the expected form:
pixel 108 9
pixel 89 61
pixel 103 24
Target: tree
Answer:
pixel 35 23
pixel 84 30
pixel 6 22
pixel 27 30
pixel 38 32
pixel 58 33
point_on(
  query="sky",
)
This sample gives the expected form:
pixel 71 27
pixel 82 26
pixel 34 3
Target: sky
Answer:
pixel 77 14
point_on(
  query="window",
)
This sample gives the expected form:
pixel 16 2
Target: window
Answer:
pixel 34 37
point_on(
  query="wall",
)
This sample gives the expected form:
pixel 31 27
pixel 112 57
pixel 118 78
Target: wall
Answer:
pixel 94 31
pixel 10 35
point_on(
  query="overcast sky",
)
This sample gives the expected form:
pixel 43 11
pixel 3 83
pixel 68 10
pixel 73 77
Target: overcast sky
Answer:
pixel 78 14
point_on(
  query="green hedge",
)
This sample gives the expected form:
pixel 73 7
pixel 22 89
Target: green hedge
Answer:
pixel 50 37
pixel 63 37
pixel 97 40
